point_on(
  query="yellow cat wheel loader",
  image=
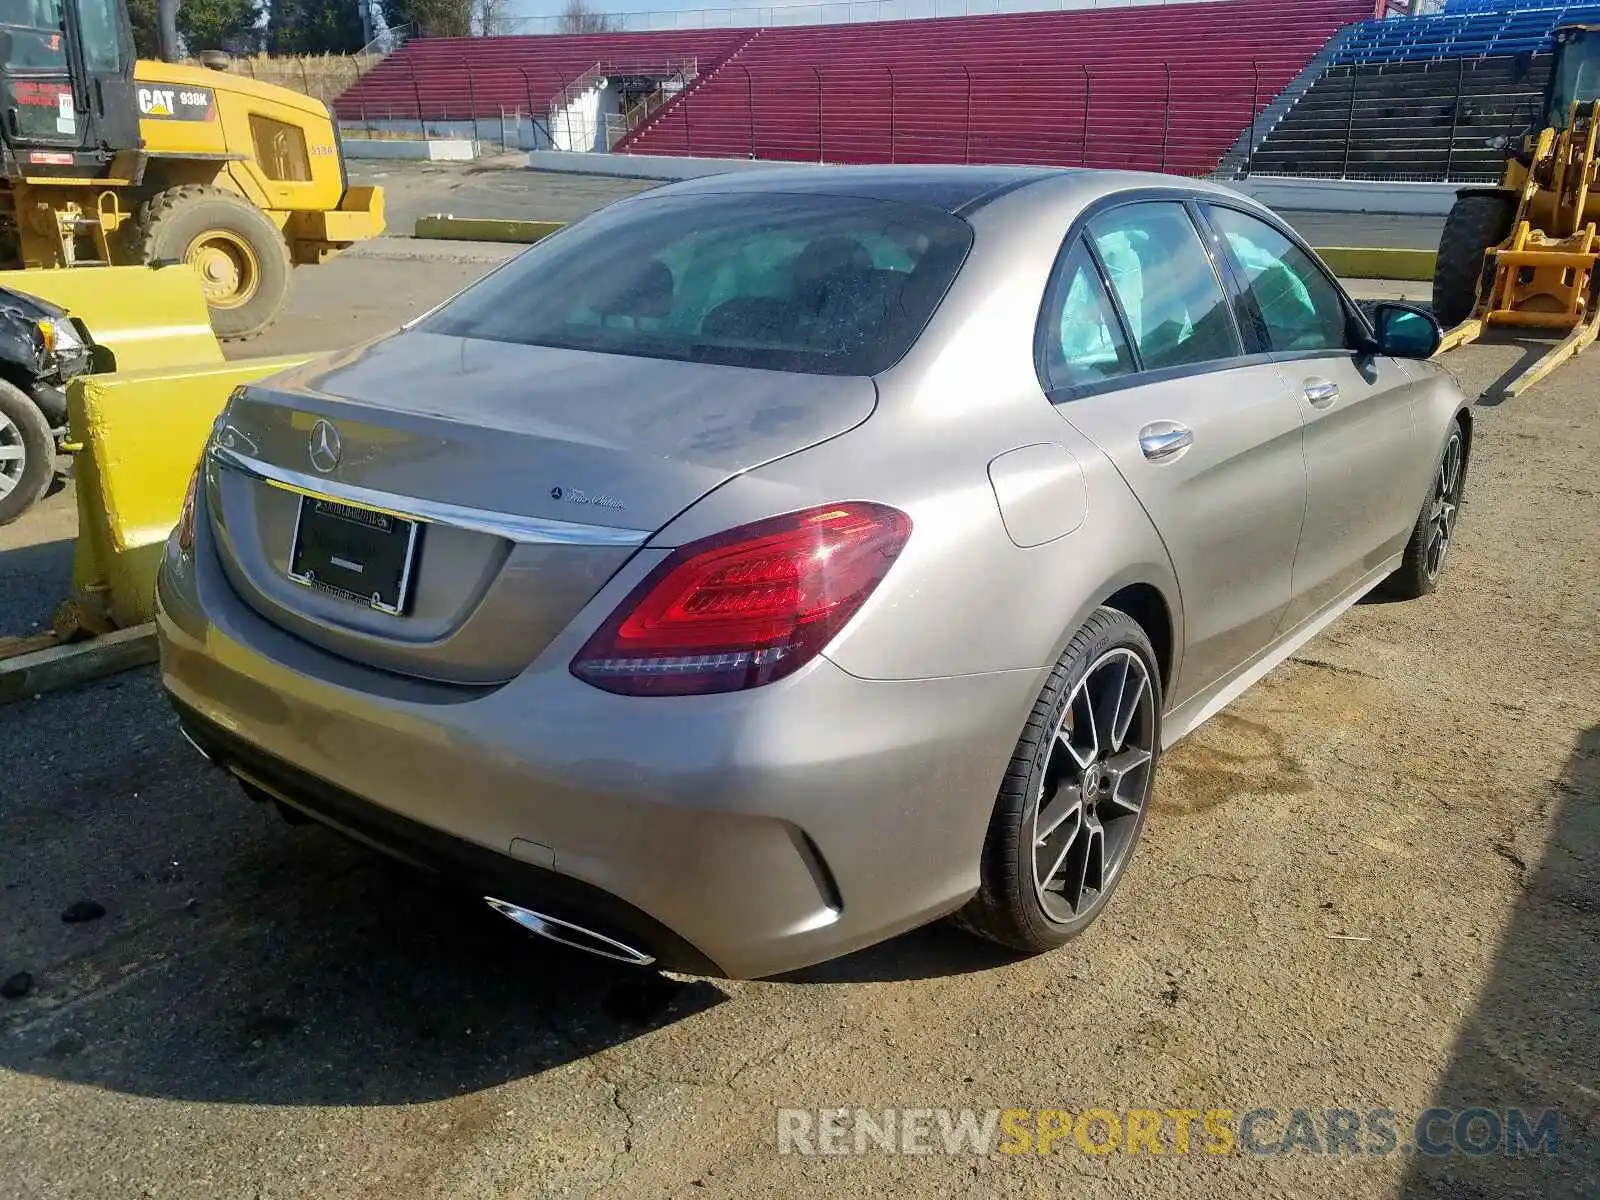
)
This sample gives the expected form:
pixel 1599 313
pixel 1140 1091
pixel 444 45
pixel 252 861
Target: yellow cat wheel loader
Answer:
pixel 1523 255
pixel 111 161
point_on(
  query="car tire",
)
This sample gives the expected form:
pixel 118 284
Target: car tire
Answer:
pixel 241 256
pixel 1432 535
pixel 27 453
pixel 1022 902
pixel 1477 221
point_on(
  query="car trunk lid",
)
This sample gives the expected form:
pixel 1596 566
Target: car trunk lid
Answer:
pixel 532 474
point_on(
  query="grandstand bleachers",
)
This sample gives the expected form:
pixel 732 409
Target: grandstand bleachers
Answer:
pixel 460 78
pixel 1168 88
pixel 1425 98
pixel 1403 120
pixel 1466 29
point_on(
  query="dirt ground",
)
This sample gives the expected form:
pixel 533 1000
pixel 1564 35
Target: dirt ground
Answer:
pixel 1371 883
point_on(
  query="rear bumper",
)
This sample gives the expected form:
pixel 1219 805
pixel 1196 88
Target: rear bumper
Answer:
pixel 458 862
pixel 740 835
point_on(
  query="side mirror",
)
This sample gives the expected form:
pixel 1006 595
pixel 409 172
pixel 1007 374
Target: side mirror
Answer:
pixel 1405 331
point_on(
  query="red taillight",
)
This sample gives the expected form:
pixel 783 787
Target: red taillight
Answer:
pixel 745 607
pixel 186 513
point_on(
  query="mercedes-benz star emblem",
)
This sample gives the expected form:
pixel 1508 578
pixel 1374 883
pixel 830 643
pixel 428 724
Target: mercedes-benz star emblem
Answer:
pixel 325 447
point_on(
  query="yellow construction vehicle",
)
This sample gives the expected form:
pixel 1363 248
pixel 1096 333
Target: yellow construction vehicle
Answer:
pixel 111 161
pixel 1523 255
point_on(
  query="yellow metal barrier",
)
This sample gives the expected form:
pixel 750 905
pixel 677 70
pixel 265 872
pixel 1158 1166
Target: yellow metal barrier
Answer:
pixel 1379 262
pixel 484 229
pixel 141 433
pixel 143 316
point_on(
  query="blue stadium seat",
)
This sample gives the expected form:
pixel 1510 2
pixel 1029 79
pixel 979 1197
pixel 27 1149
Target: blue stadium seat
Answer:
pixel 1466 29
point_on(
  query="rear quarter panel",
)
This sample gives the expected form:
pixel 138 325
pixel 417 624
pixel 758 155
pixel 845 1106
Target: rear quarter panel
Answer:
pixel 964 598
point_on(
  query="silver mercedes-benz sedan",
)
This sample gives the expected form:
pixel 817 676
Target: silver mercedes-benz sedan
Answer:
pixel 771 563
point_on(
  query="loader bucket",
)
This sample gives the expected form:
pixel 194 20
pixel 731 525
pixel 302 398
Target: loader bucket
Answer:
pixel 138 436
pixel 143 317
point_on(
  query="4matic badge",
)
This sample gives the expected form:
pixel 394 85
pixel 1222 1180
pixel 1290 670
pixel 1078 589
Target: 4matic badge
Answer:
pixel 595 499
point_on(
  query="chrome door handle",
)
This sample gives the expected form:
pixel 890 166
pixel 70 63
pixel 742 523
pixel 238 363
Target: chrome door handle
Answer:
pixel 1163 439
pixel 1321 392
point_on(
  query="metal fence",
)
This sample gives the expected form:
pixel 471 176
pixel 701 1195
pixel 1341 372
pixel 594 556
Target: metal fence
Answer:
pixel 1466 144
pixel 885 114
pixel 1091 125
pixel 324 77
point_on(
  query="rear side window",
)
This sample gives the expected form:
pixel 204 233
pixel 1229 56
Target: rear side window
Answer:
pixel 1082 339
pixel 830 285
pixel 1163 280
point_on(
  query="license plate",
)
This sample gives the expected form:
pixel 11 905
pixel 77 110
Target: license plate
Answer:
pixel 358 554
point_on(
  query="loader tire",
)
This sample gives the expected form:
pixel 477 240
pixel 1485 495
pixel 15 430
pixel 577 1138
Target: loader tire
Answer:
pixel 241 255
pixel 1477 221
pixel 27 453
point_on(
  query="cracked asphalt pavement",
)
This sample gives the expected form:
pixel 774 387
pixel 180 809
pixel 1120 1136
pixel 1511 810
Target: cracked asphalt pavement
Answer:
pixel 1372 882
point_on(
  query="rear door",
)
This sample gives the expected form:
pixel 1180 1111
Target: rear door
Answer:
pixel 1142 355
pixel 1361 441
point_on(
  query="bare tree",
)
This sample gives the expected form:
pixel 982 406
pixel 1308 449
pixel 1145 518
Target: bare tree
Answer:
pixel 429 18
pixel 578 17
pixel 491 18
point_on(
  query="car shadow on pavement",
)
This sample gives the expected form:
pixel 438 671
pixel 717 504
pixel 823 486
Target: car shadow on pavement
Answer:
pixel 242 960
pixel 1533 1040
pixel 930 952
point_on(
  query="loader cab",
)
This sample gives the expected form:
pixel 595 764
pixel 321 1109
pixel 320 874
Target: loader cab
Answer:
pixel 1575 75
pixel 66 85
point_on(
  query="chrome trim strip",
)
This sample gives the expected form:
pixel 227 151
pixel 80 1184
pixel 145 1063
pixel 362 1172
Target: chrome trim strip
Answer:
pixel 530 530
pixel 198 748
pixel 1200 708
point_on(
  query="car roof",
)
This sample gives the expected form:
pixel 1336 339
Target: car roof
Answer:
pixel 951 189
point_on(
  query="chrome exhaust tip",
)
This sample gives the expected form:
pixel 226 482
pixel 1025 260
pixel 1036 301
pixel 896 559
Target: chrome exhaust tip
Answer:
pixel 568 934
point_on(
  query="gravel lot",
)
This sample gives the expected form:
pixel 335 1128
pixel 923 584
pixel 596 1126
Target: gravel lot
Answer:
pixel 1373 882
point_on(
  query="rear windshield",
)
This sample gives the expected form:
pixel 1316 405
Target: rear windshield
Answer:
pixel 830 285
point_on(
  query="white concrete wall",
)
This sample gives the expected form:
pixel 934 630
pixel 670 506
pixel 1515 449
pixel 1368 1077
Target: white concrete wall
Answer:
pixel 516 132
pixel 1350 195
pixel 649 166
pixel 1313 195
pixel 423 149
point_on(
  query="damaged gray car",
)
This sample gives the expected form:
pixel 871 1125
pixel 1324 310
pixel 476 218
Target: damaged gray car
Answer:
pixel 41 348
